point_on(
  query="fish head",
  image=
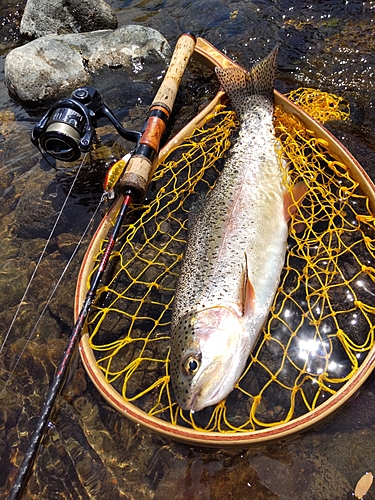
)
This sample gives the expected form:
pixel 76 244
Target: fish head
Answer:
pixel 208 353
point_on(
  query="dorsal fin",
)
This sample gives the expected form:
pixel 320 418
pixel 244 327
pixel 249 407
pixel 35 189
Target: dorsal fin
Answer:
pixel 294 198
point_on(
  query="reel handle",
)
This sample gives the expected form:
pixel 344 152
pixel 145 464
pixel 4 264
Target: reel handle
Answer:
pixel 140 167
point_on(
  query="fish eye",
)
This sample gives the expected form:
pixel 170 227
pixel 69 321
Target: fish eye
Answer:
pixel 191 365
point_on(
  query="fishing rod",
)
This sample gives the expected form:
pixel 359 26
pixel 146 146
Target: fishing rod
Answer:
pixel 52 136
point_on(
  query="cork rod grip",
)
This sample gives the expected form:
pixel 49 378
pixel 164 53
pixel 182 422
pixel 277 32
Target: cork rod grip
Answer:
pixel 137 174
pixel 167 92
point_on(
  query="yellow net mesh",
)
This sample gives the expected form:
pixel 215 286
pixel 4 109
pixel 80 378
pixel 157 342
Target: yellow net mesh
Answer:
pixel 322 106
pixel 321 323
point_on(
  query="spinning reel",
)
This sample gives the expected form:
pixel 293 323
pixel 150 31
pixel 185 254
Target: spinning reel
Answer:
pixel 68 127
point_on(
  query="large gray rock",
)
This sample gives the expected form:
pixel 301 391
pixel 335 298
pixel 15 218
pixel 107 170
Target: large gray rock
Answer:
pixel 52 66
pixel 47 17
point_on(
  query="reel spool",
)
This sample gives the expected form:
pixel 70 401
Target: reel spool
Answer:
pixel 68 128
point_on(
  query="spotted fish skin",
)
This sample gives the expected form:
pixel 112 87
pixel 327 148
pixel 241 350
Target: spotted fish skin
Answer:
pixel 235 252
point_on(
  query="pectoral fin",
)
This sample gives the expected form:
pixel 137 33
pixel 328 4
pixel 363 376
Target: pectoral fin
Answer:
pixel 248 292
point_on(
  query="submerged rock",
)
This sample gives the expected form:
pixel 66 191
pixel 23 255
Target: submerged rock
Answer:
pixel 46 17
pixel 54 65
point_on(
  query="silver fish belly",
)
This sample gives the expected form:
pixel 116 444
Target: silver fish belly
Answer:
pixel 235 253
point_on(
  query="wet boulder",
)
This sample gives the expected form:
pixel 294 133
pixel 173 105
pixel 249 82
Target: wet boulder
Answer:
pixel 53 66
pixel 46 17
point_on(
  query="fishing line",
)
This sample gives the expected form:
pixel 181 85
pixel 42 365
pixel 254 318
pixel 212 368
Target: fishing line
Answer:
pixel 30 336
pixel 133 185
pixel 41 256
pixel 45 157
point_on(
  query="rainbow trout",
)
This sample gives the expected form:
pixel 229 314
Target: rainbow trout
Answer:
pixel 235 252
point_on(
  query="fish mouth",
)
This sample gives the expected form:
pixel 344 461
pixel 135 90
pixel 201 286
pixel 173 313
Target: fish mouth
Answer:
pixel 196 403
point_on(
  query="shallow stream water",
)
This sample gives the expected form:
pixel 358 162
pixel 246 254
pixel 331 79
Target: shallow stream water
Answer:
pixel 90 451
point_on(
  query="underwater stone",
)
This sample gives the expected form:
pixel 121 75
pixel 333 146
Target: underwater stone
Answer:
pixel 47 17
pixel 54 65
pixel 36 71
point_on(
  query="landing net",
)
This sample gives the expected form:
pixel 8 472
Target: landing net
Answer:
pixel 321 323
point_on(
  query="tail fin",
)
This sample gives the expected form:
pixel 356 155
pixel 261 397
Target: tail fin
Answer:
pixel 240 84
